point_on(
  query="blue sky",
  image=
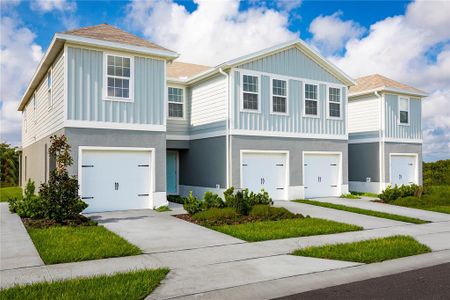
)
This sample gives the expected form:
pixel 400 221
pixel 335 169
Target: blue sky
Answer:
pixel 394 38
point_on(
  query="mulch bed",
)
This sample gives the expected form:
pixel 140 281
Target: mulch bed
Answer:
pixel 234 221
pixel 45 223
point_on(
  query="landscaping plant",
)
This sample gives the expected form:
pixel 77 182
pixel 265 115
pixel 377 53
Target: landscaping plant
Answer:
pixel 212 200
pixel 192 204
pixel 30 205
pixel 393 193
pixel 60 194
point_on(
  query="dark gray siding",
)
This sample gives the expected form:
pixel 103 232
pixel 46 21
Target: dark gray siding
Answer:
pixel 363 162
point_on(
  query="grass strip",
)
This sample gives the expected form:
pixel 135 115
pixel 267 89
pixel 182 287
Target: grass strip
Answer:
pixel 130 285
pixel 7 193
pixel 368 251
pixel 281 229
pixel 60 244
pixel 362 211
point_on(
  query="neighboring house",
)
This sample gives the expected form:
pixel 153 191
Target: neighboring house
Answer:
pixel 142 126
pixel 385 134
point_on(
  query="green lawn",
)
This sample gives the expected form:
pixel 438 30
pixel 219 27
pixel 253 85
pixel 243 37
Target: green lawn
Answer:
pixel 363 211
pixel 7 193
pixel 131 285
pixel 59 244
pixel 350 196
pixel 368 251
pixel 281 229
pixel 366 194
pixel 436 198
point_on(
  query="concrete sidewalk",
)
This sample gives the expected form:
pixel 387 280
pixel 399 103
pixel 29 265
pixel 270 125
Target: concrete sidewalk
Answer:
pixel 367 222
pixel 16 248
pixel 387 208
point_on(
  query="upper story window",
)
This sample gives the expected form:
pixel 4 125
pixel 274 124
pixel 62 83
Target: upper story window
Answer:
pixel 176 102
pixel 334 102
pixel 119 78
pixel 311 99
pixel 49 88
pixel 250 93
pixel 403 110
pixel 279 96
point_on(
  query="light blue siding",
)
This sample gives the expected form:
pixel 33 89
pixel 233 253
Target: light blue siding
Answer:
pixel 291 62
pixel 393 128
pixel 85 84
pixel 294 121
pixel 364 135
pixel 208 128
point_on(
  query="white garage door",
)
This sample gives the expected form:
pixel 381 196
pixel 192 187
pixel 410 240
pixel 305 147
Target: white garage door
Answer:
pixel 115 179
pixel 403 169
pixel 265 171
pixel 321 175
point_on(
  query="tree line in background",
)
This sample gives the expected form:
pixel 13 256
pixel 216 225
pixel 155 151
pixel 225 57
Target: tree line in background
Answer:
pixel 9 158
pixel 434 173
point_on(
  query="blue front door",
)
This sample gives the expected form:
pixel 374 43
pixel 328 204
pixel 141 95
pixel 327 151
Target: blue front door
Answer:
pixel 171 171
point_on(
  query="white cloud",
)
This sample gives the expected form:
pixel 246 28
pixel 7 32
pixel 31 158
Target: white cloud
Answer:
pixel 213 33
pixel 330 33
pixel 50 5
pixel 19 57
pixel 399 47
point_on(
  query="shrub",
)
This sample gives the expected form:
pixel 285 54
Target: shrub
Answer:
pixel 192 204
pixel 266 212
pixel 242 201
pixel 60 194
pixel 393 193
pixel 255 199
pixel 216 216
pixel 212 200
pixel 176 199
pixel 30 205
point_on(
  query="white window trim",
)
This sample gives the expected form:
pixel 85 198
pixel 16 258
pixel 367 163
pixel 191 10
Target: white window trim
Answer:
pixel 328 102
pixel 183 103
pixel 398 110
pixel 304 100
pixel 272 95
pixel 49 89
pixel 105 78
pixel 258 93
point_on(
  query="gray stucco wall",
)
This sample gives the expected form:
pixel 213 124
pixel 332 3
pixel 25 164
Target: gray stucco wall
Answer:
pixel 402 148
pixel 121 138
pixel 204 164
pixel 35 168
pixel 295 148
pixel 363 162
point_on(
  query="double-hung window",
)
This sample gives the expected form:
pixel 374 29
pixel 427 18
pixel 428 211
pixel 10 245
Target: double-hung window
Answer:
pixel 334 102
pixel 49 89
pixel 403 110
pixel 311 100
pixel 279 96
pixel 250 93
pixel 176 102
pixel 119 78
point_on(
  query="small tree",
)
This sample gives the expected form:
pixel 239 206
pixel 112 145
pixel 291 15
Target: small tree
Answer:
pixel 61 191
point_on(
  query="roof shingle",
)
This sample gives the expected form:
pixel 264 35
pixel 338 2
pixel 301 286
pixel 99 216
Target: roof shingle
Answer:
pixel 182 70
pixel 377 81
pixel 110 33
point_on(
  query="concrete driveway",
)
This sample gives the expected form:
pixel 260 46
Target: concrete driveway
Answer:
pixel 159 231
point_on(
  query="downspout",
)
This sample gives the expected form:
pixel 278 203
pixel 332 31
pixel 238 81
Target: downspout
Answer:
pixel 227 130
pixel 381 142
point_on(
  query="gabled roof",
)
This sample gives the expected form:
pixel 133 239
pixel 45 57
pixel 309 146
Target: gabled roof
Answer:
pixel 376 83
pixel 303 47
pixel 182 70
pixel 110 33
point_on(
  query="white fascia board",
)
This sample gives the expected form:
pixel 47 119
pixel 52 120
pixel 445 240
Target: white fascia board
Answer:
pixel 117 46
pixel 389 90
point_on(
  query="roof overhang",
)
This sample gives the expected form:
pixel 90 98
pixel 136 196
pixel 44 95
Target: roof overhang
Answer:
pixel 387 89
pixel 57 45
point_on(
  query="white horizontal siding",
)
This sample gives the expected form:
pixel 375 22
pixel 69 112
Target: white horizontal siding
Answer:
pixel 364 114
pixel 209 101
pixel 45 120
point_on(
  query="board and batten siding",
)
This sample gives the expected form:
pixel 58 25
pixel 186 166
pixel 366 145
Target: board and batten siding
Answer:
pixel 178 126
pixel 44 120
pixel 393 128
pixel 364 114
pixel 294 121
pixel 85 84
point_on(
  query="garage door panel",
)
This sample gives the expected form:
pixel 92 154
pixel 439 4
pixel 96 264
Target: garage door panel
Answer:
pixel 403 169
pixel 321 175
pixel 116 179
pixel 265 171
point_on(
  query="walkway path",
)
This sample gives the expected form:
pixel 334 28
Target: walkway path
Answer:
pixel 16 248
